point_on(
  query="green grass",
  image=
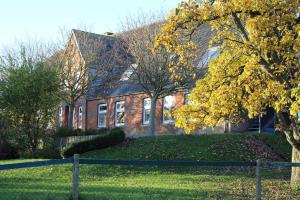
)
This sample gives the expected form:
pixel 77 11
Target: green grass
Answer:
pixel 204 148
pixel 137 182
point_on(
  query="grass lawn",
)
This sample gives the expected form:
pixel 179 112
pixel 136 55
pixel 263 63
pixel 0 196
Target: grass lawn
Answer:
pixel 135 182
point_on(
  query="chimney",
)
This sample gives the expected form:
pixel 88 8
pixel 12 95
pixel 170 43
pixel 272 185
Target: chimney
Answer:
pixel 108 33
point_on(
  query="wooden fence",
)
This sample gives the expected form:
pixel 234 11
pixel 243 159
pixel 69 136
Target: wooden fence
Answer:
pixel 67 141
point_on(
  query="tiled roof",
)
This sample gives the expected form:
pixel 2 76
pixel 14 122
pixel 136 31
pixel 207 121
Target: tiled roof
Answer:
pixel 100 47
pixel 125 88
pixel 101 51
pixel 103 44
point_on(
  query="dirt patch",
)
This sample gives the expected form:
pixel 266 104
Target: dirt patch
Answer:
pixel 261 150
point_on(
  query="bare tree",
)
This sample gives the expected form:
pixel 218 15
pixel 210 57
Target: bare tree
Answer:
pixel 151 70
pixel 86 60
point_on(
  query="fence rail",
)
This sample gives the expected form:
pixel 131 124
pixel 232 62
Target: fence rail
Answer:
pixel 167 163
pixel 280 164
pixel 35 164
pixel 76 162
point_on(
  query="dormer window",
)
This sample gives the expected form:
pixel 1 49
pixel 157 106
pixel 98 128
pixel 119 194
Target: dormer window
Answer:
pixel 210 54
pixel 129 71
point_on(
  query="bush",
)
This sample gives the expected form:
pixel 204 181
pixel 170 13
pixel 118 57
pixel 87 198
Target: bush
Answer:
pixel 77 132
pixel 50 148
pixel 114 137
pixel 66 132
pixel 101 131
pixel 7 151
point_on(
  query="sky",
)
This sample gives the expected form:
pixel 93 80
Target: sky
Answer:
pixel 42 20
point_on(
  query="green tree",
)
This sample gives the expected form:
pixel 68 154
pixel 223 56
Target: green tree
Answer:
pixel 257 68
pixel 29 94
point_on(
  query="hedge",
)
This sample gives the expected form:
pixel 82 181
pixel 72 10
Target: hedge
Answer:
pixel 114 137
pixel 66 131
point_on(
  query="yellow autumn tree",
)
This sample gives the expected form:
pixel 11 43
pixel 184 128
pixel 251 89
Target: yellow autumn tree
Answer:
pixel 257 68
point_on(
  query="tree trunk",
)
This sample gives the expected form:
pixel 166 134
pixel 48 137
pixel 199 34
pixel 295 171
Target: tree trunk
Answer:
pixel 152 116
pixel 32 143
pixel 295 176
pixel 33 151
pixel 71 113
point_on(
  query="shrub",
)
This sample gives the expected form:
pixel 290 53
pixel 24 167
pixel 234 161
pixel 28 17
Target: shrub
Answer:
pixel 101 131
pixel 114 137
pixel 50 148
pixel 77 132
pixel 7 151
pixel 64 131
pixel 90 132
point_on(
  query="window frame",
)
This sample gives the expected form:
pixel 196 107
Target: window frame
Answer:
pixel 117 111
pixel 102 112
pixel 73 120
pixel 210 54
pixel 170 121
pixel 80 117
pixel 60 116
pixel 187 94
pixel 144 111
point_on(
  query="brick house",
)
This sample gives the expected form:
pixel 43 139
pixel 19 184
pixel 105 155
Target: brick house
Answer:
pixel 125 105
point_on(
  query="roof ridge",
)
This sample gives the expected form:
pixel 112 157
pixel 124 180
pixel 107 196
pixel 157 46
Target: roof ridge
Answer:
pixel 87 32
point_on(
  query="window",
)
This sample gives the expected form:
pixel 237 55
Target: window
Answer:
pixel 102 115
pixel 127 74
pixel 146 110
pixel 168 108
pixel 78 79
pixel 73 121
pixel 186 98
pixel 80 117
pixel 211 53
pixel 120 114
pixel 60 116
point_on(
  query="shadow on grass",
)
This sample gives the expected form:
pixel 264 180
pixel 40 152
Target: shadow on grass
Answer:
pixel 34 195
pixel 132 192
pixel 125 171
pixel 141 182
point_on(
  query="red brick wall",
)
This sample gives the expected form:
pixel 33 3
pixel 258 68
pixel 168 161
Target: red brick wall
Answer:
pixel 133 113
pixel 91 114
pixel 110 115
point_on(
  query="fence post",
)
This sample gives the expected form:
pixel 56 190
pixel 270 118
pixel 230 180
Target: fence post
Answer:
pixel 75 180
pixel 258 180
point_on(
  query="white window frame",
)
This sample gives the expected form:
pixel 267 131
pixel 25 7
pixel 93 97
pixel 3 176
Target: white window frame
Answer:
pixel 79 121
pixel 73 121
pixel 77 79
pixel 210 54
pixel 144 111
pixel 170 121
pixel 117 110
pixel 60 116
pixel 186 98
pixel 101 112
